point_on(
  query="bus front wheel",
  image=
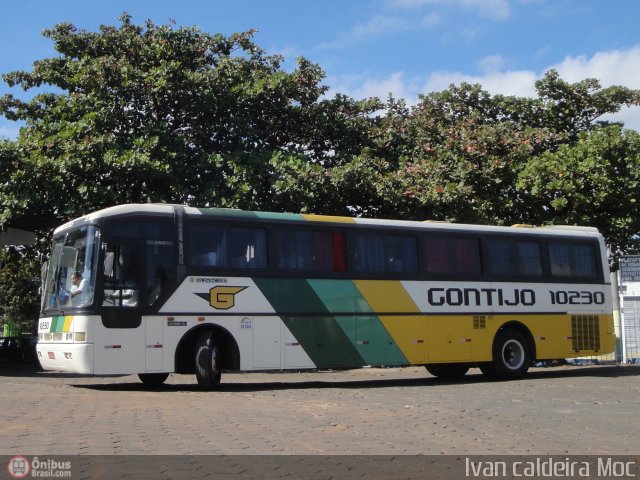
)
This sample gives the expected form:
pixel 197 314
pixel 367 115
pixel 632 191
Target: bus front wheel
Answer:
pixel 511 356
pixel 207 361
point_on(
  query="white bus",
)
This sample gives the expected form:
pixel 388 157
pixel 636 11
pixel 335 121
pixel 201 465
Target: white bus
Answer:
pixel 154 289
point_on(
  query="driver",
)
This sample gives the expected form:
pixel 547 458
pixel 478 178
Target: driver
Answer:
pixel 78 284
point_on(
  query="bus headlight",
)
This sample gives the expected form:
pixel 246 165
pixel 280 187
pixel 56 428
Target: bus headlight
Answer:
pixel 80 337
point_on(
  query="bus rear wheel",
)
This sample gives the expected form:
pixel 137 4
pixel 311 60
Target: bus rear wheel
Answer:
pixel 511 356
pixel 447 371
pixel 207 361
pixel 153 379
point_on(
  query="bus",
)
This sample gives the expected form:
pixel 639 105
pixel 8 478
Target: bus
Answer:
pixel 154 289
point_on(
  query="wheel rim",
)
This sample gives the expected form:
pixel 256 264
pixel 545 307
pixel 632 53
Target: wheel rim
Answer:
pixel 513 354
pixel 214 360
pixel 215 364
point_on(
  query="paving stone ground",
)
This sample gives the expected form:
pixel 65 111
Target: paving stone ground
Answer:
pixel 555 411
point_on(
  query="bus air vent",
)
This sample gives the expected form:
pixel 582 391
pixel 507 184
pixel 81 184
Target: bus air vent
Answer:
pixel 585 331
pixel 479 322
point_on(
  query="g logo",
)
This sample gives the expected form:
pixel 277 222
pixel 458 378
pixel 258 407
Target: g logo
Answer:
pixel 223 297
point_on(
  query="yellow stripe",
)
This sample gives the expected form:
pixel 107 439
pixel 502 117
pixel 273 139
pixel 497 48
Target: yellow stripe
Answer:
pixel 451 338
pixel 328 218
pixel 67 323
pixel 408 332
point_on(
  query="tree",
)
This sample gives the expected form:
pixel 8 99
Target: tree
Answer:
pixel 19 281
pixel 594 181
pixel 158 113
pixel 459 154
pixel 147 113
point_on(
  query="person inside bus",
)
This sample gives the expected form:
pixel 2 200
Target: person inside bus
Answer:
pixel 78 286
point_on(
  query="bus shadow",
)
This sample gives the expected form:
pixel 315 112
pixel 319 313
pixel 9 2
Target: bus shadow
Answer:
pixel 267 386
pixel 26 370
pixel 613 371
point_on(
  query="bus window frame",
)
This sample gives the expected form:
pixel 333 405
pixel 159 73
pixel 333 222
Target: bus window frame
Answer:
pixel 453 276
pixel 88 307
pixel 274 256
pixel 108 238
pixel 597 255
pixel 212 271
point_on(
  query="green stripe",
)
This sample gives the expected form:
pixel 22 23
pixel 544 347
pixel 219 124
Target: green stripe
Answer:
pixel 231 212
pixel 227 212
pixel 340 296
pixel 366 332
pixel 321 337
pixel 56 324
pixel 280 216
pixel 338 340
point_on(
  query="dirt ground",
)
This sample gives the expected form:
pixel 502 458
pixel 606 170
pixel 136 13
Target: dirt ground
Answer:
pixel 554 411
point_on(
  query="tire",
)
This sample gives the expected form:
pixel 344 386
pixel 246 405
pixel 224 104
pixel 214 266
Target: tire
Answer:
pixel 447 371
pixel 207 361
pixel 153 379
pixel 511 356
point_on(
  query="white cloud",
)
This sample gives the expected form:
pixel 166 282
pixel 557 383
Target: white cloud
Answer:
pixel 491 63
pixel 430 20
pixel 616 67
pixel 519 83
pixel 380 25
pixel 493 9
pixel 377 25
pixel 365 86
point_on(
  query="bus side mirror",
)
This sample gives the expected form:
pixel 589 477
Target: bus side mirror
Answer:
pixel 108 264
pixel 43 272
pixel 43 276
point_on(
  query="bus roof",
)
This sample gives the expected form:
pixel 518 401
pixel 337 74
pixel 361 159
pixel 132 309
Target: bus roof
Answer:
pixel 168 209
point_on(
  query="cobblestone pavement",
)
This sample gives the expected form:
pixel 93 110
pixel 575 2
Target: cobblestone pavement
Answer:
pixel 558 411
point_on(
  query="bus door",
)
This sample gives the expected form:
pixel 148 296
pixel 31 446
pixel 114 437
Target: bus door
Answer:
pixel 154 343
pixel 121 312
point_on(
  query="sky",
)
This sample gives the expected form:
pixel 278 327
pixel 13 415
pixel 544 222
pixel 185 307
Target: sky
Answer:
pixel 378 47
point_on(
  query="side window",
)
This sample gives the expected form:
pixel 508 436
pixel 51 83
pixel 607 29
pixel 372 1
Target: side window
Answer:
pixel 385 253
pixel 452 256
pixel 572 260
pixel 309 250
pixel 226 247
pixel 514 258
pixel 207 246
pixel 160 268
pixel 146 245
pixel 247 247
pixel 123 266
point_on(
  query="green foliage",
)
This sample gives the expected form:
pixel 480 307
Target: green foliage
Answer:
pixel 594 181
pixel 164 114
pixel 19 280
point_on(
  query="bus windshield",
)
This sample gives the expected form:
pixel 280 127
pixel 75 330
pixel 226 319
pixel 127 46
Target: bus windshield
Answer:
pixel 71 274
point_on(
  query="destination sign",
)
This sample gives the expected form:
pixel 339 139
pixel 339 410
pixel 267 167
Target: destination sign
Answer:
pixel 630 268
